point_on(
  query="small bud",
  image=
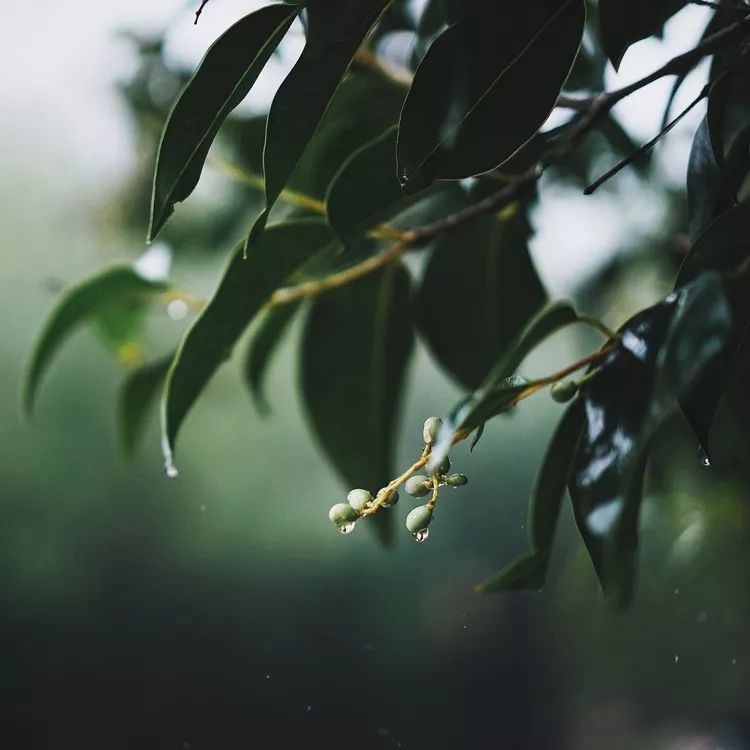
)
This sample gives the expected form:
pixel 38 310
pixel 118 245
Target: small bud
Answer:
pixel 342 514
pixel 456 480
pixel 431 429
pixel 359 499
pixel 417 486
pixel 564 391
pixel 419 518
pixel 445 466
pixel 392 498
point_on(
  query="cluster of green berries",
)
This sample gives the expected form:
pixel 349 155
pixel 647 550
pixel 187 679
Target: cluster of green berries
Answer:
pixel 345 515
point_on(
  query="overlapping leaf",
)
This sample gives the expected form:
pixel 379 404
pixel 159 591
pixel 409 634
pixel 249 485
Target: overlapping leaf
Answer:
pixel 243 291
pixel 356 348
pixel 222 80
pixel 82 303
pixel 486 85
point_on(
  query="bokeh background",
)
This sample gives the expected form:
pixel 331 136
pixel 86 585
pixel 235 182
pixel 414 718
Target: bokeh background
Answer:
pixel 221 610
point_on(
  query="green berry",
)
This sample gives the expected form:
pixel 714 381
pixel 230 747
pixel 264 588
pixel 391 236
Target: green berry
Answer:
pixel 392 498
pixel 456 480
pixel 359 499
pixel 417 486
pixel 445 466
pixel 342 514
pixel 419 518
pixel 563 391
pixel 431 429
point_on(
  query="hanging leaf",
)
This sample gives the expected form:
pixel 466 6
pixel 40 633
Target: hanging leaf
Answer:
pixel 81 304
pixel 365 191
pixel 263 346
pixel 480 290
pixel 529 571
pixel 243 291
pixel 625 22
pixel 662 353
pixel 223 79
pixel 335 31
pixel 138 395
pixel 356 347
pixel 484 88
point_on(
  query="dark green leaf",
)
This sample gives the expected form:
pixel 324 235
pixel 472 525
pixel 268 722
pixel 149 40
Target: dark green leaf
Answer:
pixel 484 88
pixel 335 30
pixel 662 353
pixel 120 326
pixel 264 343
pixel 479 291
pixel 223 79
pixel 243 291
pixel 529 571
pixel 624 22
pixel 365 191
pixel 138 395
pixel 80 304
pixel 355 351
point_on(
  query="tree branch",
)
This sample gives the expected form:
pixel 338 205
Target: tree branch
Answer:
pixel 200 11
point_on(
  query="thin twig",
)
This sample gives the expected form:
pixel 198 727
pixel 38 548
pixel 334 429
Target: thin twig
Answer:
pixel 200 11
pixel 719 6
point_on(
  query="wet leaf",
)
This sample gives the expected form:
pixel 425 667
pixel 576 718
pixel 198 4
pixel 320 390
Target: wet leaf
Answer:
pixel 356 347
pixel 120 285
pixel 484 88
pixel 528 572
pixel 138 395
pixel 223 79
pixel 244 289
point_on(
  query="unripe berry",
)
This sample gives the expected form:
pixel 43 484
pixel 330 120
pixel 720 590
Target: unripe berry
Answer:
pixel 417 486
pixel 392 498
pixel 419 518
pixel 445 466
pixel 358 499
pixel 342 514
pixel 431 429
pixel 564 391
pixel 456 480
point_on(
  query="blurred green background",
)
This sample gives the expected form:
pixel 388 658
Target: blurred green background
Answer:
pixel 221 609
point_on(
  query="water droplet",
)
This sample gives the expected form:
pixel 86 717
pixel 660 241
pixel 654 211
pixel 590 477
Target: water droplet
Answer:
pixel 676 658
pixel 734 661
pixel 676 591
pixel 177 310
pixel 403 180
pixel 703 458
pixel 347 528
pixel 268 676
pixel 421 536
pixel 672 297
pixel 170 469
pixel 308 709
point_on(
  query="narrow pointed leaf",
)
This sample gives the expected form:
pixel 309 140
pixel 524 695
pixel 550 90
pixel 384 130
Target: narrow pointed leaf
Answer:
pixel 263 346
pixel 479 291
pixel 528 572
pixel 138 395
pixel 485 88
pixel 356 347
pixel 81 304
pixel 243 291
pixel 223 79
pixel 365 191
pixel 624 22
pixel 335 31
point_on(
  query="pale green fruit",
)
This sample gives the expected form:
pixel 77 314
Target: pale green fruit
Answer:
pixel 564 391
pixel 392 499
pixel 417 486
pixel 431 429
pixel 359 499
pixel 419 518
pixel 456 480
pixel 342 514
pixel 445 466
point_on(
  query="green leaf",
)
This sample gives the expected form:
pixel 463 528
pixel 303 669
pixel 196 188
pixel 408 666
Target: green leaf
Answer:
pixel 138 395
pixel 81 304
pixel 264 343
pixel 479 291
pixel 223 79
pixel 120 327
pixel 625 22
pixel 485 88
pixel 336 30
pixel 365 191
pixel 356 348
pixel 243 291
pixel 662 352
pixel 528 572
